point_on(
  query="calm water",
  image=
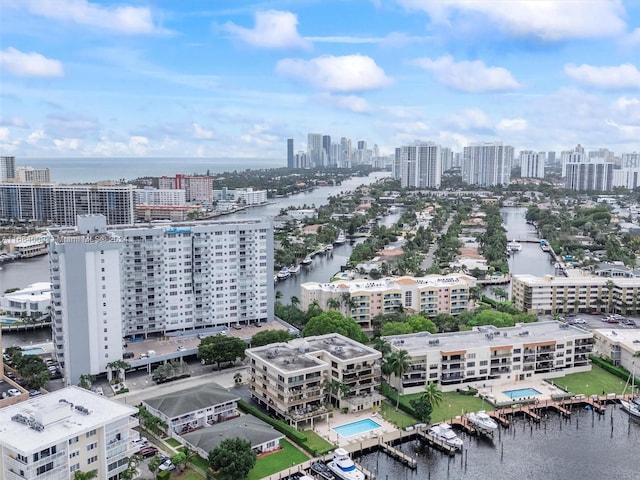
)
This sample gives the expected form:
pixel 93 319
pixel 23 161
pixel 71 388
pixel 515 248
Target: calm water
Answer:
pixel 81 170
pixel 584 447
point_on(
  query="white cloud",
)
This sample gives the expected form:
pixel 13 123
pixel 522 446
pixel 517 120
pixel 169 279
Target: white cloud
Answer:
pixel 273 29
pixel 348 73
pixel 631 132
pixel 29 64
pixel 18 122
pixel 548 20
pixel 259 135
pixel 620 77
pixel 352 103
pixel 201 133
pixel 633 38
pixel 468 76
pixel 66 144
pixel 36 136
pixel 470 119
pixel 4 134
pixel 121 19
pixel 508 125
pixel 138 145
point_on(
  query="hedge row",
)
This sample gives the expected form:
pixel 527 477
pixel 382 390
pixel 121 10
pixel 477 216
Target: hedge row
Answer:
pixel 295 435
pixel 619 372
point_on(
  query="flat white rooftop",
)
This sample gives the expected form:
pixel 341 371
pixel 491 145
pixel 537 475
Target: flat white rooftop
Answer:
pixel 60 416
pixel 486 336
pixel 628 338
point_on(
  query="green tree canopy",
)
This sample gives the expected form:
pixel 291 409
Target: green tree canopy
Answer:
pixel 219 349
pixel 395 328
pixel 232 459
pixel 32 368
pixel 334 322
pixel 266 337
pixel 421 324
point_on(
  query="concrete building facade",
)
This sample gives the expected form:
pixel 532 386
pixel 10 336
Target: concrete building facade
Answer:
pixel 365 299
pixel 491 356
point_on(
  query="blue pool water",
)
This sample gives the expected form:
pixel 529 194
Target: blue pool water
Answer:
pixel 521 392
pixel 8 320
pixel 33 351
pixel 354 428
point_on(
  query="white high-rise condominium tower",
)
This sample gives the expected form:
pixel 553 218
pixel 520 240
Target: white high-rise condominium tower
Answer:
pixel 487 164
pixel 7 168
pixel 630 160
pixel 86 298
pixel 576 155
pixel 420 165
pixel 314 149
pixel 532 164
pixel 139 281
pixel 591 174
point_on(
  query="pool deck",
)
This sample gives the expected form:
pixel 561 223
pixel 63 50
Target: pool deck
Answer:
pixel 495 393
pixel 324 428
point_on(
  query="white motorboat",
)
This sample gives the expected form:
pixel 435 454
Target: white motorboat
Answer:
pixel 307 260
pixel 445 433
pixel 328 248
pixel 283 273
pixel 294 269
pixel 482 421
pixel 341 238
pixel 514 246
pixel 343 467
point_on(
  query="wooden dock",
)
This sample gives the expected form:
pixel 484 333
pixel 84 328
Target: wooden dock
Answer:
pixel 398 455
pixel 434 442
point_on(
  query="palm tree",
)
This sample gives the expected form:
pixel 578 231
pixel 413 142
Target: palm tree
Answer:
pixel 399 364
pixel 295 301
pixel 237 378
pixel 80 475
pixel 118 366
pixel 189 455
pixel 382 346
pixel 333 304
pixel 132 468
pixel 610 286
pixel 278 296
pixel 432 395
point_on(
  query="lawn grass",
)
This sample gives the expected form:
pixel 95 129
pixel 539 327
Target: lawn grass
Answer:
pixel 288 457
pixel 317 443
pixel 173 442
pixel 454 404
pixel 397 417
pixel 188 474
pixel 200 462
pixel 595 382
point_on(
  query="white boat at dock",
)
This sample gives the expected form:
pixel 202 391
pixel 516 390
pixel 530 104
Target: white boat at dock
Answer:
pixel 514 246
pixel 307 260
pixel 341 238
pixel 445 433
pixel 343 467
pixel 482 422
pixel 283 273
pixel 294 269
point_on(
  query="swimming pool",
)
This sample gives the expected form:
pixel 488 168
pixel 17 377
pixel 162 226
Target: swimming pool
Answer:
pixel 522 392
pixel 354 428
pixel 33 351
pixel 8 320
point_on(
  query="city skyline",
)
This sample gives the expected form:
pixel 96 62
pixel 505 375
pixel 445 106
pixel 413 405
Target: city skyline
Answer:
pixel 237 79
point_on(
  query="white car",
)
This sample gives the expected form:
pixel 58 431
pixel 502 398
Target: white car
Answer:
pixel 579 320
pixel 167 465
pixel 14 392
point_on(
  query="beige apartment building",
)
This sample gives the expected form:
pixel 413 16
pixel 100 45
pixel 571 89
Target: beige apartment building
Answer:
pixel 296 380
pixel 363 300
pixel 620 346
pixel 550 294
pixel 51 436
pixel 492 356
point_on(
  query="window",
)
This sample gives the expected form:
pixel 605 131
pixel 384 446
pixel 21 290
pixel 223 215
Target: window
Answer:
pixel 75 467
pixel 73 440
pixel 93 459
pixel 92 446
pixel 74 454
pixel 44 468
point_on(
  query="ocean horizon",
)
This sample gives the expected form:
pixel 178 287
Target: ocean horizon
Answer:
pixel 95 169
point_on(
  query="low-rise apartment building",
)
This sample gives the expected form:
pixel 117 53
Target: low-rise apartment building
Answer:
pixel 296 380
pixel 620 346
pixel 51 436
pixel 550 294
pixel 489 355
pixel 363 300
pixel 33 301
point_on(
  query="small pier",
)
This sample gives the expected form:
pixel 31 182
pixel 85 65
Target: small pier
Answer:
pixel 400 456
pixel 438 444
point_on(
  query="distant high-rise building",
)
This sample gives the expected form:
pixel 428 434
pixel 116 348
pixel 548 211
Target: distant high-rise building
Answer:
pixel 532 164
pixel 362 145
pixel 487 164
pixel 7 168
pixel 33 175
pixel 326 151
pixel 551 158
pixel 572 156
pixel 345 147
pixel 446 156
pixel 630 160
pixel 302 160
pixel 420 165
pixel 290 155
pixel 314 150
pixel 590 174
pixel 198 189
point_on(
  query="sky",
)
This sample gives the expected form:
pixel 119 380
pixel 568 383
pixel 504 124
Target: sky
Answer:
pixel 234 78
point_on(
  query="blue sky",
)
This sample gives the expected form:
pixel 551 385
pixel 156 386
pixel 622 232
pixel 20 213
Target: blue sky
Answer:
pixel 233 78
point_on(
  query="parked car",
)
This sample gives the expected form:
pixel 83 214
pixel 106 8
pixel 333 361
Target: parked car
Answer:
pixel 167 465
pixel 569 315
pixel 147 452
pixel 579 320
pixel 612 320
pixel 13 392
pixel 629 321
pixel 236 326
pixel 34 393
